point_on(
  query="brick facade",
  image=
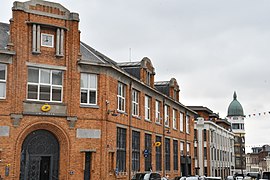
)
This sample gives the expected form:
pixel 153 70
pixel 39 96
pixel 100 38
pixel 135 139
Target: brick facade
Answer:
pixel 78 128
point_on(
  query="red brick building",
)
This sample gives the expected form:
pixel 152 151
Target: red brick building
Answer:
pixel 70 112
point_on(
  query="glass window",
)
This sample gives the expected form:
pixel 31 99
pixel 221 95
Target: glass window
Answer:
pixel 187 125
pixel 135 151
pixel 182 148
pixel 148 147
pixel 45 85
pixel 175 155
pixel 158 155
pixel 47 40
pixel 148 78
pixel 167 155
pixel 88 88
pixel 166 115
pixel 147 107
pixel 3 80
pixel 121 97
pixel 188 149
pixel 135 102
pixel 121 149
pixel 174 119
pixel 157 112
pixel 181 122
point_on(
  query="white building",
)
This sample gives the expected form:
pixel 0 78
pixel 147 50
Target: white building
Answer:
pixel 237 118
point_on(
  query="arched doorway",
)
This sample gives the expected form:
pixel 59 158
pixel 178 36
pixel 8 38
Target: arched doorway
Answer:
pixel 39 156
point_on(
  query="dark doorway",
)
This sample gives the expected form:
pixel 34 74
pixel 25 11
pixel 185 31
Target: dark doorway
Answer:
pixel 45 168
pixel 87 166
pixel 40 156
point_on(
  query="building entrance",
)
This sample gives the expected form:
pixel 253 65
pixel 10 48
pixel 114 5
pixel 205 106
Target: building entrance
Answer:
pixel 40 156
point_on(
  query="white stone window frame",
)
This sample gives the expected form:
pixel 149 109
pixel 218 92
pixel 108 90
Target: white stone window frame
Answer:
pixel 90 89
pixel 166 116
pixel 38 84
pixel 4 81
pixel 121 97
pixel 174 119
pixel 48 35
pixel 135 102
pixel 157 112
pixel 147 108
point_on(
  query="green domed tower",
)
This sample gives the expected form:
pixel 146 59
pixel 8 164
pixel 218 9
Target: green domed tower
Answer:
pixel 235 108
pixel 237 119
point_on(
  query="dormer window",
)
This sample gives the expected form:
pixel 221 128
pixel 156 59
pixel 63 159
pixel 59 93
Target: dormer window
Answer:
pixel 148 77
pixel 3 80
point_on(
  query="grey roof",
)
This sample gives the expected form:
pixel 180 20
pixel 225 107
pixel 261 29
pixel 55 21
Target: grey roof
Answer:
pixel 4 35
pixel 162 83
pixel 129 64
pixel 90 54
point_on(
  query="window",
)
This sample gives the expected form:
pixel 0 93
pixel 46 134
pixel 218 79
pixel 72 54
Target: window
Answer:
pixel 195 135
pixel 182 148
pixel 158 155
pixel 135 151
pixel 174 119
pixel 121 149
pixel 147 102
pixel 187 125
pixel 47 40
pixel 204 135
pixel 121 97
pixel 157 112
pixel 88 89
pixel 148 78
pixel 181 122
pixel 175 155
pixel 166 115
pixel 3 80
pixel 148 147
pixel 175 94
pixel 167 155
pixel 235 126
pixel 195 152
pixel 188 149
pixel 135 102
pixel 205 153
pixel 44 85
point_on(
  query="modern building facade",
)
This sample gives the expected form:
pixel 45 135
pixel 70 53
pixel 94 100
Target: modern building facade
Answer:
pixel 237 118
pixel 70 112
pixel 213 144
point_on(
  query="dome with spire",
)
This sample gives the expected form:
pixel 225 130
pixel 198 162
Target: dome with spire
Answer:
pixel 235 108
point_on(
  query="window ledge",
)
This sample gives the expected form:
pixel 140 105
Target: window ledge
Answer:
pixel 136 117
pixel 158 123
pixel 36 52
pixel 148 120
pixel 59 55
pixel 89 106
pixel 43 102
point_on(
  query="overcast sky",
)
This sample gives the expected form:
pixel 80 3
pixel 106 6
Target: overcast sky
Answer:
pixel 211 47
